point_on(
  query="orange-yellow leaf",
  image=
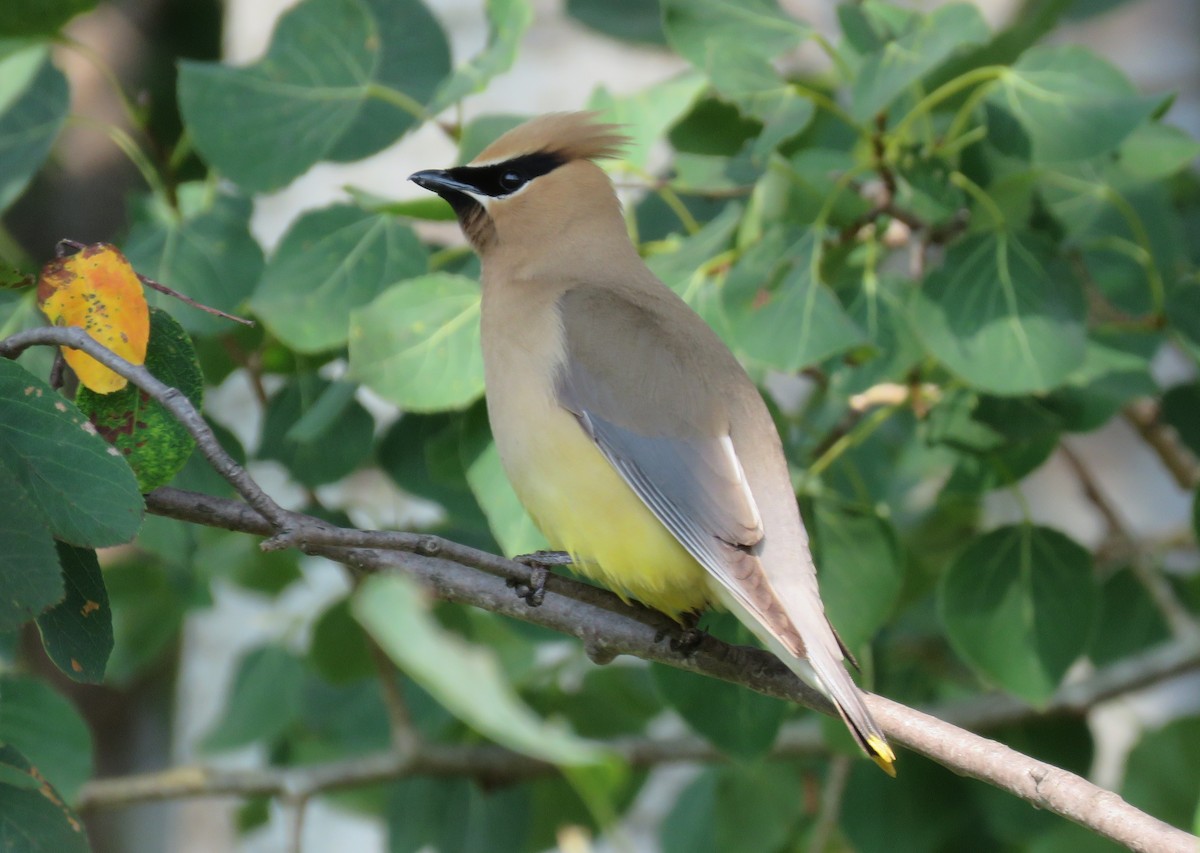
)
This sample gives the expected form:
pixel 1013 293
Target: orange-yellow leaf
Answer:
pixel 97 290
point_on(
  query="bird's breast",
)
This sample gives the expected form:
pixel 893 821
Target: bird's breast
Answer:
pixel 573 494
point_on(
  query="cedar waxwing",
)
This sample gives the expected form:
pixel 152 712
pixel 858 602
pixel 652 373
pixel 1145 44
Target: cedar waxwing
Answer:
pixel 630 432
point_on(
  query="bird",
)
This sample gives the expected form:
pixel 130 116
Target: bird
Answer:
pixel 630 432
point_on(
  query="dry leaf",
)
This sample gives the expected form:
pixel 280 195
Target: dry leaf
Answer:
pixel 97 290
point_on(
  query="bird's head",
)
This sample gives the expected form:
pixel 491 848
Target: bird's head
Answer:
pixel 532 184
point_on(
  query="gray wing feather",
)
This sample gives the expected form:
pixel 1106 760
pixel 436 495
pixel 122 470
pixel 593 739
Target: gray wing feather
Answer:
pixel 654 425
pixel 683 481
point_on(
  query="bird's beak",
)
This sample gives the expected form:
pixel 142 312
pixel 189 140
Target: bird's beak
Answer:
pixel 440 181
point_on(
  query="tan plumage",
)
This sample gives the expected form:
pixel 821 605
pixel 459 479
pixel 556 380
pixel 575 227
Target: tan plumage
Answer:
pixel 630 432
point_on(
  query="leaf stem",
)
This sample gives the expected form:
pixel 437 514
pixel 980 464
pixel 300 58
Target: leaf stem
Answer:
pixel 947 90
pixel 860 433
pixel 1107 193
pixel 827 103
pixel 984 200
pixel 399 99
pixel 129 147
pixel 97 61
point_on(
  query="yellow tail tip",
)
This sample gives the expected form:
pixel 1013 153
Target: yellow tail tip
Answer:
pixel 882 754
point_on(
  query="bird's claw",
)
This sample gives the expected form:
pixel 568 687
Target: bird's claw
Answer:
pixel 688 638
pixel 532 592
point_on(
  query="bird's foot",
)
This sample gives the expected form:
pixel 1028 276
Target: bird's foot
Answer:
pixel 689 636
pixel 534 592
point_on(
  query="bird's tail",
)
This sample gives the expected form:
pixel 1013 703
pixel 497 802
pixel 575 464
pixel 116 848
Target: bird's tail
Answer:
pixel 833 680
pixel 822 668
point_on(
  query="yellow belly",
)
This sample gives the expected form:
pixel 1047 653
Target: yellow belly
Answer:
pixel 583 507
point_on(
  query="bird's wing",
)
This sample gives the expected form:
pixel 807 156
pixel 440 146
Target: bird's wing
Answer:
pixel 640 394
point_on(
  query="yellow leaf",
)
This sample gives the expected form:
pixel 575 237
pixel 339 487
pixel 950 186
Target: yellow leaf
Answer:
pixel 97 290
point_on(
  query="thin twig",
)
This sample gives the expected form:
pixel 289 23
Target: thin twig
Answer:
pixel 171 399
pixel 299 807
pixel 187 300
pixel 404 731
pixel 1178 462
pixel 1117 530
pixel 495 765
pixel 831 804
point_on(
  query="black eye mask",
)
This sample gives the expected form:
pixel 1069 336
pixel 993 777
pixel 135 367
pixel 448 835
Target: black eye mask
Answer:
pixel 501 179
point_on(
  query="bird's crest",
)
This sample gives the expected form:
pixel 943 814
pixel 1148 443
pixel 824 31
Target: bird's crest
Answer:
pixel 571 136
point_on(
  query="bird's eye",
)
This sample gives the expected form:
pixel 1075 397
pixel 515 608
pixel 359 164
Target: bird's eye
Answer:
pixel 512 181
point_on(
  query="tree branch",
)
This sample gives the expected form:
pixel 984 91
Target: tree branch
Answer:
pixel 1178 462
pixel 171 399
pixel 1180 621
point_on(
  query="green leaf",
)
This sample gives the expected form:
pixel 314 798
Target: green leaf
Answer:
pixel 510 523
pixel 1129 621
pixel 34 817
pixel 858 563
pixel 30 580
pixel 421 453
pixel 1002 315
pixel 1154 152
pixel 267 123
pixel 899 63
pixel 742 75
pixel 733 43
pixel 344 718
pixel 678 261
pixel 339 652
pixel 1183 317
pixel 456 814
pixel 778 314
pixel 47 729
pixel 148 605
pixel 1021 435
pixel 1018 604
pixel 263 702
pixel 39 17
pixel 78 632
pixel 153 441
pixel 1162 775
pixel 478 134
pixel 714 128
pixel 611 701
pixel 414 59
pixel 700 29
pixel 322 415
pixel 931 811
pixel 418 343
pixel 330 263
pixel 79 482
pixel 326 456
pixel 1115 371
pixel 430 208
pixel 34 100
pixel 507 22
pixel 749 808
pixel 645 116
pixel 734 719
pixel 466 679
pixel 636 21
pixel 1071 104
pixel 1180 407
pixel 207 254
pixel 882 313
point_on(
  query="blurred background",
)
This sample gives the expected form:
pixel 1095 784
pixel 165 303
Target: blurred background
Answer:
pixel 157 719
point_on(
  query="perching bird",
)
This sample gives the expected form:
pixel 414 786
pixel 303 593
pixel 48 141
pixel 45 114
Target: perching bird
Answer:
pixel 630 432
